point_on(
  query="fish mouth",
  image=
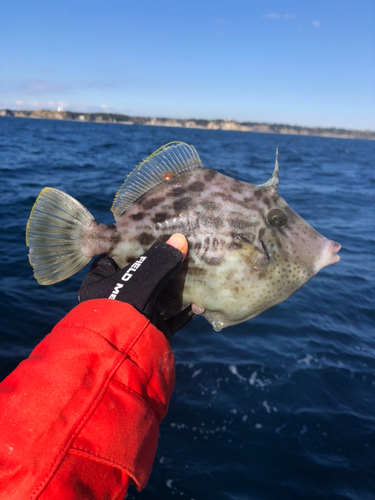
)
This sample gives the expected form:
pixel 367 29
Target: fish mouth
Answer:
pixel 332 250
pixel 329 255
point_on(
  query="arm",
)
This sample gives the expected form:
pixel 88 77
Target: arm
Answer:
pixel 79 418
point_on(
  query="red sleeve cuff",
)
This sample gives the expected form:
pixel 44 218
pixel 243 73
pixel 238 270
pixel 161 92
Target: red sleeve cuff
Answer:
pixel 96 387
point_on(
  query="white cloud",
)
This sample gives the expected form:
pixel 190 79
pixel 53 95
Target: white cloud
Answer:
pixel 276 15
pixel 272 15
pixel 99 85
pixel 42 104
pixel 55 104
pixel 316 24
pixel 41 87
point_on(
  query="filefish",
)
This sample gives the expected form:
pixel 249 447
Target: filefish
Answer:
pixel 248 250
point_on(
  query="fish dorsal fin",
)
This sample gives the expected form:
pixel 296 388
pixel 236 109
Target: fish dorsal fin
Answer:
pixel 273 182
pixel 164 164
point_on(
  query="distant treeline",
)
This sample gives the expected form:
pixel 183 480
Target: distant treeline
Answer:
pixel 233 125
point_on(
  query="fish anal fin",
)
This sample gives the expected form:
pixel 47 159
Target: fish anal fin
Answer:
pixel 161 166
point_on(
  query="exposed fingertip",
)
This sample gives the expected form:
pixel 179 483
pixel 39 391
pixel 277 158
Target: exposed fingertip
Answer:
pixel 179 241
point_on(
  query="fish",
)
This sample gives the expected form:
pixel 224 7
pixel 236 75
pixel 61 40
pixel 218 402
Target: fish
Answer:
pixel 248 250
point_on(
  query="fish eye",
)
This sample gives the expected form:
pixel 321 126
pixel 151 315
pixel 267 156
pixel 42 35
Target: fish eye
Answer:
pixel 276 217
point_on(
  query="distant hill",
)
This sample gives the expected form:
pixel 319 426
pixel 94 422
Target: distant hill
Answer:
pixel 192 123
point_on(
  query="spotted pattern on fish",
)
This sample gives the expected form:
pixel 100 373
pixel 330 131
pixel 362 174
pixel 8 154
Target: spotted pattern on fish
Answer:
pixel 209 174
pixel 183 204
pixel 196 187
pixel 146 239
pixel 238 264
pixel 148 204
pixel 138 216
pixel 178 191
pixel 160 217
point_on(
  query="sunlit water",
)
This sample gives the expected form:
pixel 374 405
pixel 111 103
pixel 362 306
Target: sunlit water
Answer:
pixel 280 407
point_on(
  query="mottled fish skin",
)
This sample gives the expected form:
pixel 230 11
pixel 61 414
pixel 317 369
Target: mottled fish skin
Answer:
pixel 238 264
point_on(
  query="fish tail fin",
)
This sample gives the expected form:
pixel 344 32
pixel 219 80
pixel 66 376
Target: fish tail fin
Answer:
pixel 53 235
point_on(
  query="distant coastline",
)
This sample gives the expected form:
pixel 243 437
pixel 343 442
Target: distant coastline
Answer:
pixel 191 123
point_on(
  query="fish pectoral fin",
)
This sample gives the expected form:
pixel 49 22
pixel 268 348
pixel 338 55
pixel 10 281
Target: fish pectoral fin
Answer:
pixel 161 166
pixel 248 252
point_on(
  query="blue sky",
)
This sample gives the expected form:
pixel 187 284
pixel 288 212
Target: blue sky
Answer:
pixel 299 62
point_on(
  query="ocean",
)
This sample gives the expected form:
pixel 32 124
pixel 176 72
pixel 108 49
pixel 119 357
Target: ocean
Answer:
pixel 279 407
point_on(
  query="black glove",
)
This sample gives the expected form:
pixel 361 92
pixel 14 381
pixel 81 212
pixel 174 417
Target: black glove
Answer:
pixel 138 284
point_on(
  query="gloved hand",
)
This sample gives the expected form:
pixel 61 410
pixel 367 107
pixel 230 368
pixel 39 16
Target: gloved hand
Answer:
pixel 140 283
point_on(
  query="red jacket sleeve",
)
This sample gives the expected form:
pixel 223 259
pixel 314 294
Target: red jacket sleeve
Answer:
pixel 79 419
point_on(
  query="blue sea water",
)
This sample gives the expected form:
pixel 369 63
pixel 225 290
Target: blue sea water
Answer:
pixel 280 407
